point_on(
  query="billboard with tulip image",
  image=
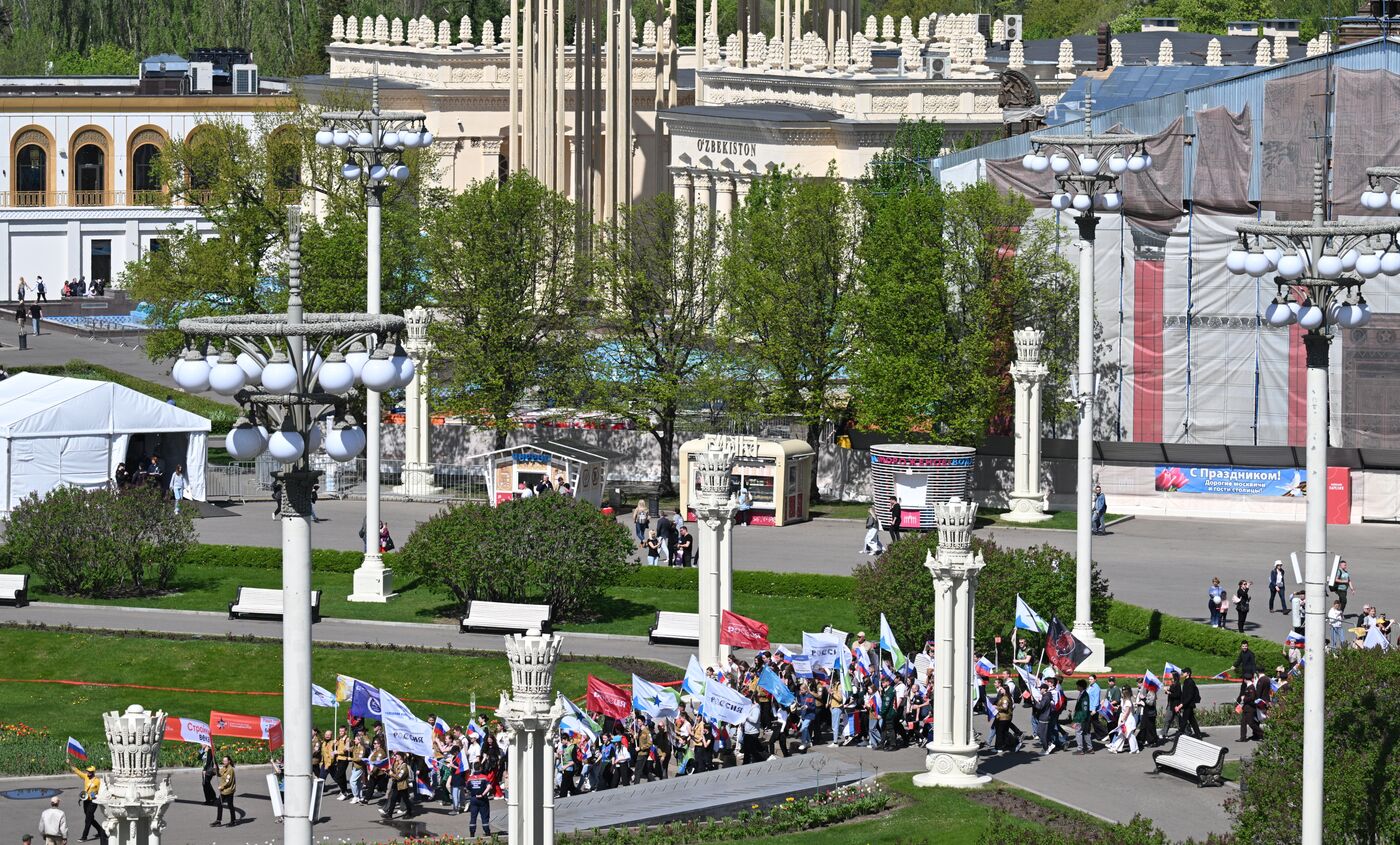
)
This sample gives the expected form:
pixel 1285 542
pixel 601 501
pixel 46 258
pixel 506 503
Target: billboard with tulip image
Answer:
pixel 1233 481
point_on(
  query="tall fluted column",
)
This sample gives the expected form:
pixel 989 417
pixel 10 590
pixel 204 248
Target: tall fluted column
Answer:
pixel 713 513
pixel 1028 374
pixel 680 179
pixel 724 195
pixel 530 713
pixel 952 756
pixel 417 476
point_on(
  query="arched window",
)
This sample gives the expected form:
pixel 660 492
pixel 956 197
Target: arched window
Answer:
pixel 284 158
pixel 31 170
pixel 89 174
pixel 143 168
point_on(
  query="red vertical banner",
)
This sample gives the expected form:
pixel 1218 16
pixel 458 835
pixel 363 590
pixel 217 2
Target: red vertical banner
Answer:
pixel 1148 375
pixel 1339 495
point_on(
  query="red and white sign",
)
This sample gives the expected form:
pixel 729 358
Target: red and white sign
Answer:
pixel 248 727
pixel 1338 495
pixel 742 632
pixel 186 730
pixel 608 699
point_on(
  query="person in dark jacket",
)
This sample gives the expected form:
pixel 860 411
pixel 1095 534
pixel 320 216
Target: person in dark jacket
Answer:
pixel 479 801
pixel 1249 713
pixel 1190 697
pixel 1173 707
pixel 894 514
pixel 1082 713
pixel 1278 588
pixel 1245 665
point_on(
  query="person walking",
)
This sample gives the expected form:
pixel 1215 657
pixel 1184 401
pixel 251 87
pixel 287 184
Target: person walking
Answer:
pixel 1173 707
pixel 1334 625
pixel 92 784
pixel 1296 617
pixel 1082 711
pixel 35 315
pixel 178 482
pixel 22 319
pixel 872 534
pixel 479 801
pixel 41 290
pixel 1341 584
pixel 1215 600
pixel 652 547
pixel 744 513
pixel 641 521
pixel 666 537
pixel 399 779
pixel 1147 718
pixel 53 824
pixel 894 515
pixel 1100 511
pixel 1278 588
pixel 1190 698
pixel 1242 603
pixel 685 544
pixel 23 290
pixel 1249 714
pixel 228 786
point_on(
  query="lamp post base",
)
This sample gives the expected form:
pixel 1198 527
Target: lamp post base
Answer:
pixel 1026 507
pixel 1095 662
pixel 953 766
pixel 373 581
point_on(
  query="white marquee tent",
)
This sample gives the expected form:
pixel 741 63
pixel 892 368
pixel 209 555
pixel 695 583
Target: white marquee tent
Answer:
pixel 56 430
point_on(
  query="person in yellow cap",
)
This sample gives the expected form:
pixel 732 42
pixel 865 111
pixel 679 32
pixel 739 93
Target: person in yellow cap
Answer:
pixel 92 784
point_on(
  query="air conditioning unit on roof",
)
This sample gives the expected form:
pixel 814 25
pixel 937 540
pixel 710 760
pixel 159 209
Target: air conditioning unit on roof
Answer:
pixel 245 79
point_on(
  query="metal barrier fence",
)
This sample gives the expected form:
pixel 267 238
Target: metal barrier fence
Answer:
pixel 245 480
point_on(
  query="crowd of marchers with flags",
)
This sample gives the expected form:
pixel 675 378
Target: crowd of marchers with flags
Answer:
pixel 837 689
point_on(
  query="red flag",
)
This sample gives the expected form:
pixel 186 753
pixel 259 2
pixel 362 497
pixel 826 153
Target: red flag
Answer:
pixel 608 699
pixel 742 631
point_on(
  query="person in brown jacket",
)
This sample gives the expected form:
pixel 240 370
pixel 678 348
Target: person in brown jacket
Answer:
pixel 228 785
pixel 400 782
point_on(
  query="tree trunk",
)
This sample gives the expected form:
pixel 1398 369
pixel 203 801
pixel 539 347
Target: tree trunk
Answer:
pixel 500 432
pixel 814 438
pixel 666 442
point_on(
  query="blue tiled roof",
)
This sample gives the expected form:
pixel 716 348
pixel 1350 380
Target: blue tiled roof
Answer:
pixel 1128 85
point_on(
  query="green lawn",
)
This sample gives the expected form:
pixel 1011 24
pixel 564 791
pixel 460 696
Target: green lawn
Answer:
pixel 443 683
pixel 1060 520
pixel 1130 654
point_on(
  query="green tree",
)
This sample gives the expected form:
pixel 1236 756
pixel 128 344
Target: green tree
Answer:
pixel 1361 758
pixel 790 270
pixel 659 356
pixel 104 60
pixel 514 299
pixel 241 179
pixel 550 549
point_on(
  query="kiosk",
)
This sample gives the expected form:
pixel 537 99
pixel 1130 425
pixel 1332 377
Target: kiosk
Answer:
pixel 584 468
pixel 777 473
pixel 919 475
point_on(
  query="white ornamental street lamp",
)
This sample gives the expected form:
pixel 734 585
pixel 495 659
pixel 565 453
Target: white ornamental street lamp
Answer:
pixel 288 372
pixel 1318 266
pixel 1087 169
pixel 373 142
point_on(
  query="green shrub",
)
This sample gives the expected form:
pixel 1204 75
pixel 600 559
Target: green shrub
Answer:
pixel 99 543
pixel 1361 758
pixel 1155 625
pixel 270 557
pixel 549 549
pixel 898 584
pixel 788 584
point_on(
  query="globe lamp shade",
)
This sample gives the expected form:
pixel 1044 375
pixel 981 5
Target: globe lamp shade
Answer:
pixel 193 377
pixel 244 442
pixel 279 376
pixel 286 446
pixel 336 375
pixel 380 374
pixel 252 367
pixel 226 377
pixel 345 443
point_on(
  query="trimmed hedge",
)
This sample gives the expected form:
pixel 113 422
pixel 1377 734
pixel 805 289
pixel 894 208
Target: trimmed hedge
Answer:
pixel 1156 625
pixel 788 584
pixel 270 557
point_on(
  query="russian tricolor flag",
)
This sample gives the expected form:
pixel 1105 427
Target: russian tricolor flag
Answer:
pixel 1294 640
pixel 76 749
pixel 473 729
pixel 423 789
pixel 1150 681
pixel 439 726
pixel 985 667
pixel 382 763
pixel 459 761
pixel 782 655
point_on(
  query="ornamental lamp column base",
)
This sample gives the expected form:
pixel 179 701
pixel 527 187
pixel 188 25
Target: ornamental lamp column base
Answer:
pixel 952 766
pixel 374 582
pixel 1096 661
pixel 417 480
pixel 1026 507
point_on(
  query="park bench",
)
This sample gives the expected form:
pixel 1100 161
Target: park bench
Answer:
pixel 261 603
pixel 1194 757
pixel 674 627
pixel 505 616
pixel 14 588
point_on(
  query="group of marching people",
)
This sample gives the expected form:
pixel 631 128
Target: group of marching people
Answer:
pixel 467 769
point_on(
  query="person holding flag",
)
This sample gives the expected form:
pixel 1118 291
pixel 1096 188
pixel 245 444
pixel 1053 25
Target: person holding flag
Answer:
pixel 888 643
pixel 92 784
pixel 76 750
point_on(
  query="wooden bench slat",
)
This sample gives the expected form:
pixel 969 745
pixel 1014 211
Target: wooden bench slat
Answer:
pixel 1196 757
pixel 506 616
pixel 14 588
pixel 675 626
pixel 264 602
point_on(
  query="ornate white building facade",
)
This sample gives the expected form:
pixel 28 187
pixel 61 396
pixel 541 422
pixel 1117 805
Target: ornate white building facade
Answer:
pixel 78 194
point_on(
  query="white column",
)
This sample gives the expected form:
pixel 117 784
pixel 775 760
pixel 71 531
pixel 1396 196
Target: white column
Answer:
pixel 372 581
pixel 1083 626
pixel 1027 373
pixel 1315 591
pixel 726 567
pixel 531 713
pixel 704 183
pixel 514 820
pixel 680 180
pixel 724 195
pixel 952 756
pixel 417 475
pixel 296 655
pixel 713 511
